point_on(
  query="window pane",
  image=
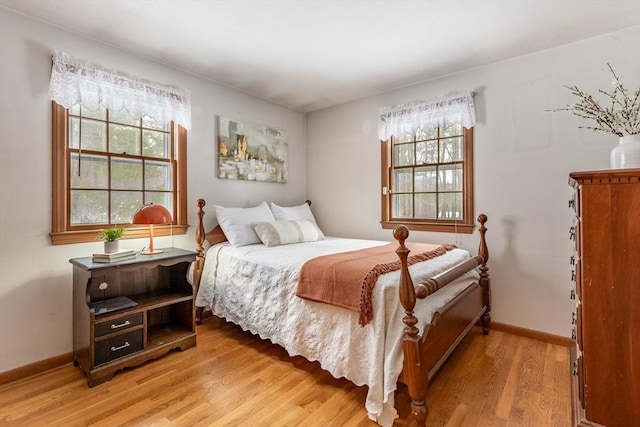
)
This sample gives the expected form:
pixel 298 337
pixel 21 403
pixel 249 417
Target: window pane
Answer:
pixel 157 176
pixel 126 174
pixel 451 150
pixel 422 134
pixel 407 137
pixel 404 155
pixel 89 207
pixel 163 199
pixel 426 206
pixel 101 114
pixel 155 144
pixel 149 122
pixel 450 178
pixel 93 171
pixel 450 206
pixel 425 179
pixel 452 129
pixel 427 152
pixel 94 134
pixel 123 206
pixel 123 117
pixel 402 205
pixel 124 139
pixel 402 180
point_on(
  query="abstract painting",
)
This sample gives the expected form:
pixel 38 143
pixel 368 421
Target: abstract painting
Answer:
pixel 251 152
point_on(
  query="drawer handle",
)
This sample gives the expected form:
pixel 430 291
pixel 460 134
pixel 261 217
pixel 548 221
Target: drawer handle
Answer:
pixel 125 345
pixel 573 294
pixel 575 367
pixel 573 335
pixel 572 260
pixel 573 318
pixel 572 233
pixel 573 275
pixel 572 203
pixel 121 325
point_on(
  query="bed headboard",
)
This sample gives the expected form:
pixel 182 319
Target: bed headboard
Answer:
pixel 213 236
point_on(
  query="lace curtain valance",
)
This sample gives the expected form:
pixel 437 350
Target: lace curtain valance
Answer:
pixel 77 82
pixel 427 115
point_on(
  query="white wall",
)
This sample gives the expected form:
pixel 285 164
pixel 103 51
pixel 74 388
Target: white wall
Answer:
pixel 35 279
pixel 523 156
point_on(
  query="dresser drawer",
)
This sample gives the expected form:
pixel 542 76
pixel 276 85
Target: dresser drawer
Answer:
pixel 579 326
pixel 574 202
pixel 117 325
pixel 575 236
pixel 578 279
pixel 117 346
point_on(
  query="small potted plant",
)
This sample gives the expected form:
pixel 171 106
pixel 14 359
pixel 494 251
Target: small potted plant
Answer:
pixel 110 236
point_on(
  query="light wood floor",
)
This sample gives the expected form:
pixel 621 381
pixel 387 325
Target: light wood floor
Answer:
pixel 235 379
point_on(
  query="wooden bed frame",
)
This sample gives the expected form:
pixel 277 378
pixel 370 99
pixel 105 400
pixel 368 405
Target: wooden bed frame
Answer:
pixel 423 354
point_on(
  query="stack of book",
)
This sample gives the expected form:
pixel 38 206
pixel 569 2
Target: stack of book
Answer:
pixel 120 255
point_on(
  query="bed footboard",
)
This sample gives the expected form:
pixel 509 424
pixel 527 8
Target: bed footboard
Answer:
pixel 423 355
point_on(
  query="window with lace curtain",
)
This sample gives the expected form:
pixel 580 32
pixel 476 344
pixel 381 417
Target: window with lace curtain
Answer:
pixel 427 167
pixel 106 163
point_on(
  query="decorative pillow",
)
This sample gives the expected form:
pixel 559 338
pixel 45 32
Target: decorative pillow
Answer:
pixel 292 213
pixel 236 222
pixel 277 233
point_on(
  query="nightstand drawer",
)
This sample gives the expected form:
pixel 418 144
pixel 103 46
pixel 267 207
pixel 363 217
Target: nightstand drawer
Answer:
pixel 117 325
pixel 118 346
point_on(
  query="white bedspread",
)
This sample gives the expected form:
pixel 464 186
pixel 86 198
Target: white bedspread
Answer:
pixel 254 287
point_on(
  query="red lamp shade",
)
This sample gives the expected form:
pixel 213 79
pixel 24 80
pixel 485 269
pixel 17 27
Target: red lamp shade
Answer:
pixel 151 214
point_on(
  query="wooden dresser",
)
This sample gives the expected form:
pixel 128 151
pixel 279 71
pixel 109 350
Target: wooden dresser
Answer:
pixel 606 263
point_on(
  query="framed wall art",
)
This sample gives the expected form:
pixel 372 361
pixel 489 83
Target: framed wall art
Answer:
pixel 251 152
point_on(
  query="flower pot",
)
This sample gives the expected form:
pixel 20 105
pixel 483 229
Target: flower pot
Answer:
pixel 111 246
pixel 627 153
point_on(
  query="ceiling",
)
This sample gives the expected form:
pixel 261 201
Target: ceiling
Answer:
pixel 311 54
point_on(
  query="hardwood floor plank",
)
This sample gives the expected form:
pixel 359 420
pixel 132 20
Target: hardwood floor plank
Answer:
pixel 458 416
pixel 232 378
pixel 527 393
pixel 505 404
pixel 496 371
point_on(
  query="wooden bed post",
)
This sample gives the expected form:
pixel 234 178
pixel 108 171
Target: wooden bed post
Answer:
pixel 199 264
pixel 412 366
pixel 484 281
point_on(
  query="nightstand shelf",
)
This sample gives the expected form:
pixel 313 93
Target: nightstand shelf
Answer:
pixel 161 320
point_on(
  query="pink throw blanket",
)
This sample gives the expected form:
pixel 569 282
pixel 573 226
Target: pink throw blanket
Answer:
pixel 347 279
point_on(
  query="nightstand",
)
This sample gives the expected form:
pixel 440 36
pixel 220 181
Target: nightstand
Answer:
pixel 131 311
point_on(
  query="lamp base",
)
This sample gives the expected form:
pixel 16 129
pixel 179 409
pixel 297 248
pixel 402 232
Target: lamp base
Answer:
pixel 154 252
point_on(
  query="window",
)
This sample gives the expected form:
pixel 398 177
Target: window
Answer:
pixel 427 179
pixel 106 165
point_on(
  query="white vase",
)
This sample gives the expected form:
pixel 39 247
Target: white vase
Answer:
pixel 626 154
pixel 112 246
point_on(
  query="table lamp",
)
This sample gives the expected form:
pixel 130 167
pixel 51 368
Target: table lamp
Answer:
pixel 151 214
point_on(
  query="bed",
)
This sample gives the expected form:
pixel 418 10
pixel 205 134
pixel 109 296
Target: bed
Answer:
pixel 412 331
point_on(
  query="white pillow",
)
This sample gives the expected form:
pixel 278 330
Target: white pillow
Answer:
pixel 292 213
pixel 275 233
pixel 236 222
